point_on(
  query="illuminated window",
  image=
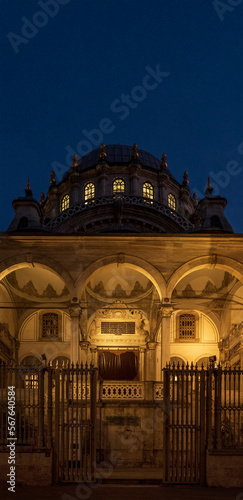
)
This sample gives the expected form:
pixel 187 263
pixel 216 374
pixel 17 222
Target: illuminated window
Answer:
pixel 89 191
pixel 118 186
pixel 65 202
pixel 187 326
pixel 171 201
pixel 50 325
pixel 148 190
pixel 31 380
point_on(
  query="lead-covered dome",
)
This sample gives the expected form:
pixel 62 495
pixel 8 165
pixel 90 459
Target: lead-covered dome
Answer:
pixel 119 188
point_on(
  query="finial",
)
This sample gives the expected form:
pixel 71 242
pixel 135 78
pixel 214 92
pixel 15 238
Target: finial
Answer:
pixel 28 191
pixel 195 200
pixel 42 199
pixel 53 178
pixel 103 154
pixel 163 162
pixel 209 189
pixel 185 181
pixel 135 154
pixel 75 161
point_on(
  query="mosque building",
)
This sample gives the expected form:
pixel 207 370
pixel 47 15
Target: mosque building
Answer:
pixel 121 266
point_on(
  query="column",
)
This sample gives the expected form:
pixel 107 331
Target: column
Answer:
pixel 75 313
pixel 166 312
pixel 150 361
pixel 94 356
pixel 141 363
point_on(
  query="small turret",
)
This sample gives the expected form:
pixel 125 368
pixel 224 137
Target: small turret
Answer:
pixel 27 212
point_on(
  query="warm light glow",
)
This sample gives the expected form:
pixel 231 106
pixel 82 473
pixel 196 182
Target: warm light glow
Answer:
pixel 89 191
pixel 118 186
pixel 171 201
pixel 148 190
pixel 65 202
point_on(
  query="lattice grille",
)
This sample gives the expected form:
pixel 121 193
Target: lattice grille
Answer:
pixel 187 326
pixel 50 325
pixel 118 327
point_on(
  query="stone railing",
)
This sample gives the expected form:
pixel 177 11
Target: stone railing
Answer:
pixel 122 390
pixel 124 199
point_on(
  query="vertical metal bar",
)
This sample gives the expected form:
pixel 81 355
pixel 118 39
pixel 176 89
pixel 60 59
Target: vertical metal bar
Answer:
pixel 209 434
pixel 57 408
pixel 41 408
pixel 234 412
pixel 166 443
pixel 93 385
pixel 72 424
pixel 202 429
pixel 81 423
pixel 196 427
pixel 239 407
pixel 76 425
pixel 186 420
pixel 182 425
pixel 62 376
pixel 49 408
pixel 171 437
pixel 218 377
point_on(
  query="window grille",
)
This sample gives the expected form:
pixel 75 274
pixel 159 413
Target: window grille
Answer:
pixel 118 327
pixel 31 381
pixel 187 326
pixel 89 191
pixel 148 190
pixel 118 186
pixel 65 202
pixel 171 201
pixel 50 325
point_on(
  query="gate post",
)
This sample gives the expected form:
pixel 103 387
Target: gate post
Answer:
pixel 40 440
pixel 202 429
pixel 93 391
pixel 209 414
pixel 166 436
pixel 218 380
pixel 49 409
pixel 56 448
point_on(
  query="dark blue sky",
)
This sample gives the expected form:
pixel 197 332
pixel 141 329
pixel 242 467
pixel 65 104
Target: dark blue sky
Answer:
pixel 64 72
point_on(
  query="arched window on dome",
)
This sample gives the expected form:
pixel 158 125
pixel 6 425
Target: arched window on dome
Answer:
pixel 118 186
pixel 171 201
pixel 65 202
pixel 89 191
pixel 148 190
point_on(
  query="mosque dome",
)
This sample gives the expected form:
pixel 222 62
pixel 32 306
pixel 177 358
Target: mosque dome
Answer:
pixel 120 189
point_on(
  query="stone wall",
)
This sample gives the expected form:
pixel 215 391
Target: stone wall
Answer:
pixel 225 468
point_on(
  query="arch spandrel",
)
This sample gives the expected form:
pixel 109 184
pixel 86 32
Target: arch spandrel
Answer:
pixel 129 261
pixel 25 261
pixel 209 262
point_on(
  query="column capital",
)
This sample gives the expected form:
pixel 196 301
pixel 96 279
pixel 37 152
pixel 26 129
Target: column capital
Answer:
pixel 93 349
pixel 151 345
pixel 84 344
pixel 75 308
pixel 166 310
pixel 142 349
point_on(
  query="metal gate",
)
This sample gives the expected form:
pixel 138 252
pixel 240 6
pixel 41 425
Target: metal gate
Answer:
pixel 75 415
pixel 184 425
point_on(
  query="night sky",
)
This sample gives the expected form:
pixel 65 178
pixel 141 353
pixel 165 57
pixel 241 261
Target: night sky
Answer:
pixel 165 74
